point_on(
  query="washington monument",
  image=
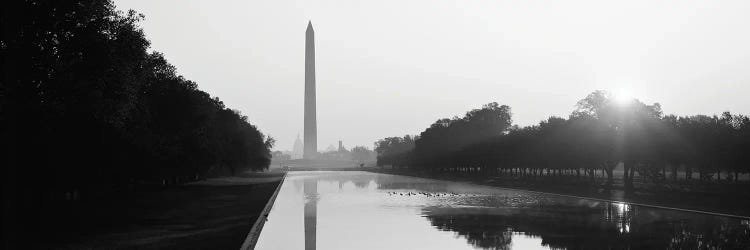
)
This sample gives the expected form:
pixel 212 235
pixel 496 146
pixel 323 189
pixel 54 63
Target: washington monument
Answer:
pixel 311 128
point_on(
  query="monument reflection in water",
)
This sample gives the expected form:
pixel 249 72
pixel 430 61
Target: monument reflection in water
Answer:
pixel 361 210
pixel 311 212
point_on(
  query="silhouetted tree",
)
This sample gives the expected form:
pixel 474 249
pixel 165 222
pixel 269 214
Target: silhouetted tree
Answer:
pixel 85 109
pixel 394 151
pixel 599 134
pixel 447 136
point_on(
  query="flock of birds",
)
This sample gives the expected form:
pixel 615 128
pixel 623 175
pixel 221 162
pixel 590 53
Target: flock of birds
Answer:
pixel 426 194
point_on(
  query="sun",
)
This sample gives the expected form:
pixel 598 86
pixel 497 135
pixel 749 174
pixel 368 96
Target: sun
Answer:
pixel 622 97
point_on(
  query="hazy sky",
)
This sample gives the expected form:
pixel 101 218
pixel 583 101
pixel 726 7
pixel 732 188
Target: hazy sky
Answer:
pixel 390 68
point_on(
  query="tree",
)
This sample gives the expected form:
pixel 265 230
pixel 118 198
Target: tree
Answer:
pixel 448 136
pixel 394 150
pixel 599 134
pixel 361 154
pixel 86 110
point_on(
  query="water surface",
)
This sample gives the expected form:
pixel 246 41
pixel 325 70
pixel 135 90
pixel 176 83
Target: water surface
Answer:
pixel 363 210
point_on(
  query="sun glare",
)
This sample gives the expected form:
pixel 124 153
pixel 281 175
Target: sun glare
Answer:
pixel 623 97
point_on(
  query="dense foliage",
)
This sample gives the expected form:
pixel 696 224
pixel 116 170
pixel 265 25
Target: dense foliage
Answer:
pixel 395 151
pixel 598 135
pixel 85 108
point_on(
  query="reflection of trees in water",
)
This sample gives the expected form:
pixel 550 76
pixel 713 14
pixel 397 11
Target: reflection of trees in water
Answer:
pixel 364 180
pixel 491 221
pixel 605 226
pixel 361 183
pixel 477 231
pixel 723 233
pixel 358 180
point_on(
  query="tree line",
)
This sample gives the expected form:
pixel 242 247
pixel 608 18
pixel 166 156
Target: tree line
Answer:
pixel 85 107
pixel 395 151
pixel 597 136
pixel 361 155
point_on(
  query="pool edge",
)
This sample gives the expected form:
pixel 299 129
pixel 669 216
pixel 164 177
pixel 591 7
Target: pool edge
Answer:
pixel 252 237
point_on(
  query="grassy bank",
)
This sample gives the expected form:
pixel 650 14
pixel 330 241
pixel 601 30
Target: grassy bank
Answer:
pixel 211 214
pixel 724 198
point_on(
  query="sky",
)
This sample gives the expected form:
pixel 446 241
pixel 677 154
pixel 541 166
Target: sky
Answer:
pixel 393 67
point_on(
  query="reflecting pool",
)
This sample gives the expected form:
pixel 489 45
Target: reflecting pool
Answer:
pixel 363 210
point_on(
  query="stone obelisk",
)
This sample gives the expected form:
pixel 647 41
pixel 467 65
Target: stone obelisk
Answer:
pixel 311 128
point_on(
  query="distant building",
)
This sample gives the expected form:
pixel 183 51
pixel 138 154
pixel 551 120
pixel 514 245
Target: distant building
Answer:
pixel 330 148
pixel 281 155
